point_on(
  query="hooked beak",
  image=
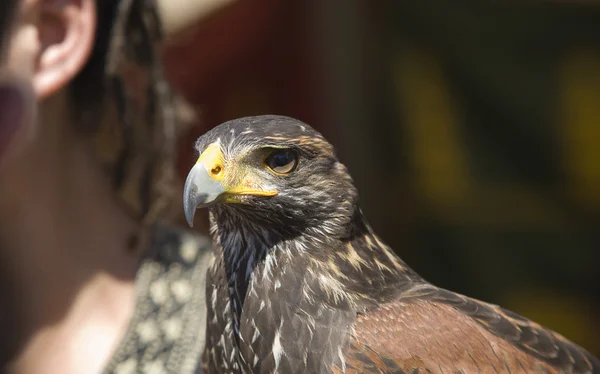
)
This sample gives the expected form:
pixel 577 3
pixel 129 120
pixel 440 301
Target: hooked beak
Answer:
pixel 199 191
pixel 205 186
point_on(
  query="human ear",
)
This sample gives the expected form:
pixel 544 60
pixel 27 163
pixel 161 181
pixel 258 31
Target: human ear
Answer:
pixel 66 32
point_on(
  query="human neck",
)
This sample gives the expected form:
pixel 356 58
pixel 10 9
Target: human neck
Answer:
pixel 63 238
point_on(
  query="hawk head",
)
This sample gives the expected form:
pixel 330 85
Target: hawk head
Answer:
pixel 273 172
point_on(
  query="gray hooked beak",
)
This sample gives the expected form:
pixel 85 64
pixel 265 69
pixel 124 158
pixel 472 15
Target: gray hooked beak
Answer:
pixel 200 191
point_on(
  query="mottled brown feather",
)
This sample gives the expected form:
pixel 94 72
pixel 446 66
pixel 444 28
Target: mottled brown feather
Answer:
pixel 428 336
pixel 432 337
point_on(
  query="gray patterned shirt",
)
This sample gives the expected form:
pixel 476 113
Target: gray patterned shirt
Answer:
pixel 166 332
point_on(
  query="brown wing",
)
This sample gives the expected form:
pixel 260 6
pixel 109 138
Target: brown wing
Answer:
pixel 438 331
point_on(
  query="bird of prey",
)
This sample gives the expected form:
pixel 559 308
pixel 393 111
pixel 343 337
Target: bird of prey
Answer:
pixel 299 282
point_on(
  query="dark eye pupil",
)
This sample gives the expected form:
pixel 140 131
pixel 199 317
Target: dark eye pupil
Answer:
pixel 282 162
pixel 282 159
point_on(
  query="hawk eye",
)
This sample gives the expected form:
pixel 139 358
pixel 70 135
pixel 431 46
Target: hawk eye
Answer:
pixel 282 161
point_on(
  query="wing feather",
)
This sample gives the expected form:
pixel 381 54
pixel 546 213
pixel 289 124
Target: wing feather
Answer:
pixel 432 330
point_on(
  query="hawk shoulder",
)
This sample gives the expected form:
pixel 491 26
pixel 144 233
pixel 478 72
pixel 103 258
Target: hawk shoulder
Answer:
pixel 431 330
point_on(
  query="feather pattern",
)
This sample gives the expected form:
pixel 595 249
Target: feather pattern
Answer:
pixel 302 284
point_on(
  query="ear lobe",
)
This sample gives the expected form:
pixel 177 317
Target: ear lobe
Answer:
pixel 67 30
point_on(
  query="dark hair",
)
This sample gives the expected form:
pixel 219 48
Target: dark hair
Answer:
pixel 127 37
pixel 7 13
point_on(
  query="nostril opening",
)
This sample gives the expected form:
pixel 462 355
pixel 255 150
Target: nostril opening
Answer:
pixel 216 170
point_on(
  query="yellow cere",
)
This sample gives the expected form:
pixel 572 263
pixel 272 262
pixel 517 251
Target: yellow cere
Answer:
pixel 212 159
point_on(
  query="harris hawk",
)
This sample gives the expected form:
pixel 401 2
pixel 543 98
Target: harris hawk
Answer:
pixel 299 282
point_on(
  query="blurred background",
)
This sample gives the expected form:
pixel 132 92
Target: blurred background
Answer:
pixel 472 130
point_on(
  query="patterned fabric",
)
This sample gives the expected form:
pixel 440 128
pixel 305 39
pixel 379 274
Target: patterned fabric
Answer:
pixel 166 332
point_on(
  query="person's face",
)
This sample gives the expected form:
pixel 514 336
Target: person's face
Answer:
pixel 43 49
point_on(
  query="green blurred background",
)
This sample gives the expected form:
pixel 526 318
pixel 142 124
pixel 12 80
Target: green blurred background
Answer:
pixel 472 130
